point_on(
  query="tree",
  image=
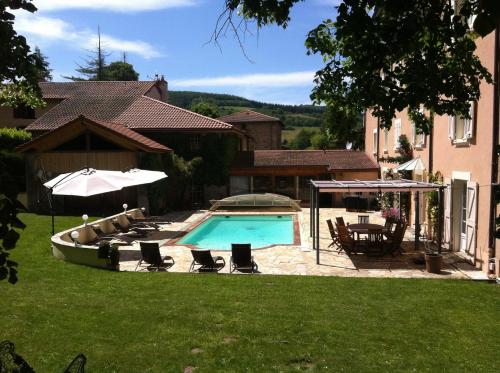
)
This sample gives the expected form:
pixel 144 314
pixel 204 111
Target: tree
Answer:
pixel 342 127
pixel 302 140
pixel 19 74
pixel 208 109
pixel 95 64
pixel 377 51
pixel 119 70
pixel 44 72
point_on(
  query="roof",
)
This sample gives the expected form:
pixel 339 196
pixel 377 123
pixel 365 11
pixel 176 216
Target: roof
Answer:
pixel 331 159
pixel 245 116
pixel 123 103
pixel 148 113
pixel 75 127
pixel 401 185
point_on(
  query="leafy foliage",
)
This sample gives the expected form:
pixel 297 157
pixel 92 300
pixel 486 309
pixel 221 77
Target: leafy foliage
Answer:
pixel 433 203
pixel 121 71
pixel 342 127
pixel 290 115
pixel 405 150
pixel 19 67
pixel 377 52
pixel 208 109
pixel 10 138
pixel 302 140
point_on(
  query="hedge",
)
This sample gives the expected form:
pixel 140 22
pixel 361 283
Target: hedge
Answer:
pixel 10 138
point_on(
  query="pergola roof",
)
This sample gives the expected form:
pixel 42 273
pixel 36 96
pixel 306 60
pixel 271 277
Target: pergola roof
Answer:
pixel 401 185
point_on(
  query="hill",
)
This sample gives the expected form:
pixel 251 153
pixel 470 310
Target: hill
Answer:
pixel 291 115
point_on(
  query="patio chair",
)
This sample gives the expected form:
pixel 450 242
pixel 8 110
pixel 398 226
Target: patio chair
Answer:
pixel 363 219
pixel 388 226
pixel 77 365
pixel 241 258
pixel 393 243
pixel 340 220
pixel 151 258
pixel 334 236
pixel 348 243
pixel 203 261
pixel 375 242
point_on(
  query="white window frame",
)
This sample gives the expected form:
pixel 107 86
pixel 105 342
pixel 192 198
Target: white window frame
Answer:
pixel 468 130
pixel 375 140
pixel 386 140
pixel 397 133
pixel 417 139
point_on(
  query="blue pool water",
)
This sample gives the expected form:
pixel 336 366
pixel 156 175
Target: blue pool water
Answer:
pixel 220 231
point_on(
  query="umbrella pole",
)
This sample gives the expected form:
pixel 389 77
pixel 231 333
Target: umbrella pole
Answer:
pixel 52 210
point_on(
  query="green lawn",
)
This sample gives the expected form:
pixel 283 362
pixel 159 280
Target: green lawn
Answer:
pixel 151 322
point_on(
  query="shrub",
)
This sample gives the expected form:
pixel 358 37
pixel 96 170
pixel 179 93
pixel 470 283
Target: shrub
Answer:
pixel 10 138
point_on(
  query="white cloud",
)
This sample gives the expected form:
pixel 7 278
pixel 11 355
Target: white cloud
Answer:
pixel 112 5
pixel 329 2
pixel 43 30
pixel 290 79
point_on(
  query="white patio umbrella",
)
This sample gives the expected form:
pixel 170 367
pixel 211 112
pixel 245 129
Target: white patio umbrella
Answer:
pixel 415 164
pixel 139 176
pixel 90 182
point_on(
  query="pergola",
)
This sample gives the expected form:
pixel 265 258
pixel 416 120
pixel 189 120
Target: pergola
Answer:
pixel 401 185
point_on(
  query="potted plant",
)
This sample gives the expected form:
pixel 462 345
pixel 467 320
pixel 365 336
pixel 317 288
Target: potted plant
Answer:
pixel 433 261
pixel 390 214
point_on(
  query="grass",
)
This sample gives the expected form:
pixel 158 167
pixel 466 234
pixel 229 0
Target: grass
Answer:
pixel 165 322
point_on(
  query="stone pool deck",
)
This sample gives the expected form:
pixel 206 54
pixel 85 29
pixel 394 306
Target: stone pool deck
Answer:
pixel 301 260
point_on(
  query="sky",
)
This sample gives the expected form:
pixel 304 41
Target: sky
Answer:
pixel 172 38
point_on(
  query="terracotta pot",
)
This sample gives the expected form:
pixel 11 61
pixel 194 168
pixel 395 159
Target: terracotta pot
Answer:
pixel 433 262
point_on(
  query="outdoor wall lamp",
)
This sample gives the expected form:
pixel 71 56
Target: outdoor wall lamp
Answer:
pixel 85 217
pixel 74 237
pixel 125 206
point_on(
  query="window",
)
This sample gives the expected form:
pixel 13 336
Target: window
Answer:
pixel 194 143
pixel 460 129
pixel 375 141
pixel 24 112
pixel 397 133
pixel 417 139
pixel 386 140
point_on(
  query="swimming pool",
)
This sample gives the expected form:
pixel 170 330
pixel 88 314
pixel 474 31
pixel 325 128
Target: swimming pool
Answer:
pixel 219 231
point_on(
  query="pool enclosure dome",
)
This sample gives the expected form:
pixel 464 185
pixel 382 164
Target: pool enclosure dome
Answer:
pixel 260 200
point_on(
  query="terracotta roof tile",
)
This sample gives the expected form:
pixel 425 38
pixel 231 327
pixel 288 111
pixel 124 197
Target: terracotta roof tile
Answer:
pixel 141 141
pixel 247 116
pixel 118 102
pixel 331 159
pixel 146 113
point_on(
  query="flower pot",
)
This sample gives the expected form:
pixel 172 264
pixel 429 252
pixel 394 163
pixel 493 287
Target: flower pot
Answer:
pixel 433 262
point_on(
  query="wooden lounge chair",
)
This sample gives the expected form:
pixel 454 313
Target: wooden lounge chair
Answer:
pixel 388 226
pixel 122 224
pixel 241 258
pixel 77 365
pixel 203 261
pixel 393 243
pixel 334 236
pixel 151 258
pixel 363 219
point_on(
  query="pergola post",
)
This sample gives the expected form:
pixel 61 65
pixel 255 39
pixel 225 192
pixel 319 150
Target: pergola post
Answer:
pixel 316 200
pixel 417 220
pixel 440 218
pixel 311 204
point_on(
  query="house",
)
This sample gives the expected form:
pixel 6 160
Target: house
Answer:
pixel 263 129
pixel 464 152
pixel 120 125
pixel 288 172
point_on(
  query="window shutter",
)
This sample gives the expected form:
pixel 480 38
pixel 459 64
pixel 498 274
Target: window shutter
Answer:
pixel 469 126
pixel 471 219
pixel 413 133
pixel 447 213
pixel 451 127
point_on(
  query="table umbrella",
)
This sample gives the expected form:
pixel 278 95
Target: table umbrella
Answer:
pixel 90 182
pixel 139 176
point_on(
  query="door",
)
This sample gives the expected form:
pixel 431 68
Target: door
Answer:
pixel 447 214
pixel 471 219
pixel 463 218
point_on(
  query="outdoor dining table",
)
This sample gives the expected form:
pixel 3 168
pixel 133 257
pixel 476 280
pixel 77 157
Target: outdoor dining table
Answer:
pixel 363 228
